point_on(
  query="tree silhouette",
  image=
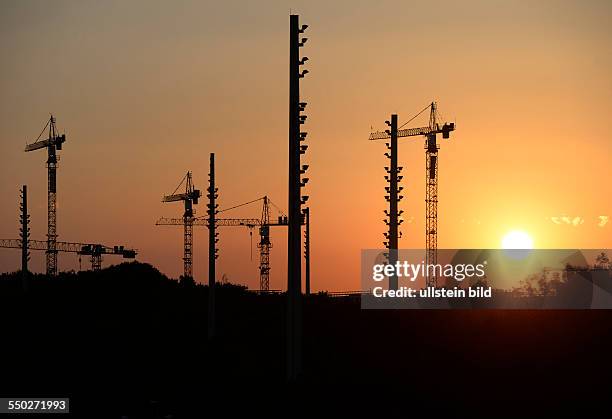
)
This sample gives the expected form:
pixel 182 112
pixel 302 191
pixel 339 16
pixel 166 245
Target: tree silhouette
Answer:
pixel 602 261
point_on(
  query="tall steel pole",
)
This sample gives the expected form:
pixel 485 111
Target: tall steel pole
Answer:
pixel 393 198
pixel 212 246
pixel 307 249
pixel 294 266
pixel 188 240
pixel 24 232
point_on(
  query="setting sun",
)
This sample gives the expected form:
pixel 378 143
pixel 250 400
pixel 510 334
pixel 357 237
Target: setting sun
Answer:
pixel 517 240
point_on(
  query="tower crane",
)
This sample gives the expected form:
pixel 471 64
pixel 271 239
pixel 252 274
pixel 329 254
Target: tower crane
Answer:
pixel 431 177
pixel 189 197
pixel 264 223
pixel 53 143
pixel 264 247
pixel 94 251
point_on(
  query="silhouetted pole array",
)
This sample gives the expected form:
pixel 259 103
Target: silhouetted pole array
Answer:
pixel 296 200
pixel 307 249
pixel 212 246
pixel 393 198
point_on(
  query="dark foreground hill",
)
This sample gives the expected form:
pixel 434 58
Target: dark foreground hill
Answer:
pixel 129 342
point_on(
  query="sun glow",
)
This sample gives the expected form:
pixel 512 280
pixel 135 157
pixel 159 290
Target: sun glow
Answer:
pixel 517 240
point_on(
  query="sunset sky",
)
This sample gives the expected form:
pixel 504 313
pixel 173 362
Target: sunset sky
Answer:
pixel 145 90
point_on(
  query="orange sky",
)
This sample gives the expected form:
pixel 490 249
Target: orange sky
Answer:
pixel 146 90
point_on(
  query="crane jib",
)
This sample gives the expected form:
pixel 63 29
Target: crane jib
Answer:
pixel 413 132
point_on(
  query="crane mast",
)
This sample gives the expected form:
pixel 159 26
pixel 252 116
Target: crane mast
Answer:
pixel 264 247
pixel 53 144
pixel 431 200
pixel 189 197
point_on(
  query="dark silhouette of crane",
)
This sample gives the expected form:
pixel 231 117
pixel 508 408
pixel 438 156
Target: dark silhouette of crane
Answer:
pixel 264 247
pixel 94 251
pixel 431 177
pixel 190 198
pixel 53 143
pixel 264 223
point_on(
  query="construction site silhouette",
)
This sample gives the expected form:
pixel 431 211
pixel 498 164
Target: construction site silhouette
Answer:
pixel 126 341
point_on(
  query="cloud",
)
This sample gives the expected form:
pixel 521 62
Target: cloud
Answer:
pixel 603 220
pixel 572 221
pixel 577 221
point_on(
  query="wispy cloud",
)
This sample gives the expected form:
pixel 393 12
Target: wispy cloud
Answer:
pixel 573 221
pixel 602 220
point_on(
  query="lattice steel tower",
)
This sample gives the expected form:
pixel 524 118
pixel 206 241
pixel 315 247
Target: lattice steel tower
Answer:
pixel 264 247
pixel 431 199
pixel 53 143
pixel 190 198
